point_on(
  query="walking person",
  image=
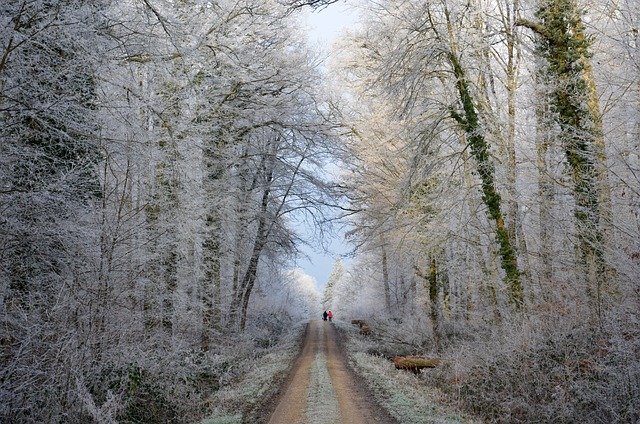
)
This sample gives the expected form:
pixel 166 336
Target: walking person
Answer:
pixel 330 315
pixel 324 316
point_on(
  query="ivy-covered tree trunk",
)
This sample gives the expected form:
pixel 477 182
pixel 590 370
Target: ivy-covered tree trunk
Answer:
pixel 470 122
pixel 432 286
pixel 434 291
pixel 161 211
pixel 562 42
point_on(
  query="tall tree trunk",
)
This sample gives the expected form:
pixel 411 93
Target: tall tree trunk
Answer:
pixel 210 285
pixel 433 298
pixel 563 43
pixel 545 194
pixel 509 11
pixel 171 283
pixel 433 288
pixel 215 172
pixel 469 121
pixel 385 278
pixel 240 302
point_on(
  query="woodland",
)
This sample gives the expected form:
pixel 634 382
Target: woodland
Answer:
pixel 158 159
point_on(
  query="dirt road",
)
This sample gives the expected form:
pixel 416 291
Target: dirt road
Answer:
pixel 322 389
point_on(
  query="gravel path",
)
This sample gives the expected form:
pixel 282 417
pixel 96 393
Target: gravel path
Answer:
pixel 322 389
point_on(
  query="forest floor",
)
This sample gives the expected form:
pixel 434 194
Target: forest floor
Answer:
pixel 322 372
pixel 322 388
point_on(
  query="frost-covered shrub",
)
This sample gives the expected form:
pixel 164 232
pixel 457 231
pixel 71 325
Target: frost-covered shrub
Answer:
pixel 267 328
pixel 394 336
pixel 564 371
pixel 167 388
pixel 175 385
pixel 402 394
pixel 257 380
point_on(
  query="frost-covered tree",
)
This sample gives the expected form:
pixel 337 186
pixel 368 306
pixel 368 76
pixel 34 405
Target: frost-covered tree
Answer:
pixel 338 273
pixel 566 48
pixel 48 155
pixel 497 125
pixel 154 156
pixel 445 118
pixel 295 297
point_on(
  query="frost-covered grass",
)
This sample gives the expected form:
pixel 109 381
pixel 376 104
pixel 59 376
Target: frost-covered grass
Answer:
pixel 240 401
pixel 403 394
pixel 227 419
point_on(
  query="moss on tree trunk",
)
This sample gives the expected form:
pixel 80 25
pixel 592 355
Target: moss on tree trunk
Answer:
pixel 562 42
pixel 470 123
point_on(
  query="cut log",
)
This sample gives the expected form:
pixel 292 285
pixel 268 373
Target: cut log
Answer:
pixel 415 363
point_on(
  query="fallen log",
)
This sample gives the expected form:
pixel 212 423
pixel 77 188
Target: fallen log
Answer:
pixel 415 363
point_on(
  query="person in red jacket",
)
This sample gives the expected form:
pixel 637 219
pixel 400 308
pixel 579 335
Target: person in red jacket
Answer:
pixel 330 315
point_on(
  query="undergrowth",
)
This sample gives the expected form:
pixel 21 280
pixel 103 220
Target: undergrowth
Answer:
pixel 228 384
pixel 241 400
pixel 403 394
pixel 561 372
pixel 537 369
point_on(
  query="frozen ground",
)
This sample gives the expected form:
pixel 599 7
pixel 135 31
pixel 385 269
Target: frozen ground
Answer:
pixel 322 388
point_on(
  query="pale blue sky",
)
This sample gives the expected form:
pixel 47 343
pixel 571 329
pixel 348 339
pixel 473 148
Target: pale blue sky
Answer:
pixel 324 26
